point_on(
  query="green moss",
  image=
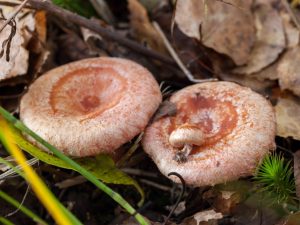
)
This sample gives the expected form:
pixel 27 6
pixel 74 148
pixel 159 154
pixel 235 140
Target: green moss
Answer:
pixel 275 178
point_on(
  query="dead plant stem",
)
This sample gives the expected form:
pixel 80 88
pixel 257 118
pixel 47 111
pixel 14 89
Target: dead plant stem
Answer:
pixel 176 58
pixel 93 25
pixel 14 14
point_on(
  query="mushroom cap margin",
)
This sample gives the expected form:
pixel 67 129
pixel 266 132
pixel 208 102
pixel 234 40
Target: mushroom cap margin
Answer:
pixel 225 158
pixel 86 133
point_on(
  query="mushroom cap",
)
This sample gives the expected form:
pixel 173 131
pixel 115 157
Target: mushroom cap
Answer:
pixel 238 126
pixel 91 106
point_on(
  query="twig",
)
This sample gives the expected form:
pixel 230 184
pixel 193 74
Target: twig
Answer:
pixel 155 185
pixel 68 16
pixel 21 203
pixel 174 55
pixel 179 197
pixel 13 15
pixel 138 172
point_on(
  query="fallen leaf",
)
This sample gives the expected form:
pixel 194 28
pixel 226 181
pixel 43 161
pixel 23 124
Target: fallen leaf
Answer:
pixel 291 31
pixel 289 71
pixel 207 217
pixel 18 55
pixel 92 39
pixel 41 25
pixel 227 28
pixel 288 117
pixel 270 72
pixel 189 15
pixel 251 82
pixel 142 28
pixel 293 219
pixel 297 172
pixel 270 39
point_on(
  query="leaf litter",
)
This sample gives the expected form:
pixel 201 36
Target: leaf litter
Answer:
pixel 254 43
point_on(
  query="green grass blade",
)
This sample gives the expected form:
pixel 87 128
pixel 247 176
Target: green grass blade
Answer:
pixel 3 161
pixel 22 208
pixel 61 215
pixel 101 166
pixel 117 197
pixel 5 221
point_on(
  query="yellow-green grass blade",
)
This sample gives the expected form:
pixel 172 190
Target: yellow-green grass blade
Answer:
pixel 102 166
pixel 54 207
pixel 89 176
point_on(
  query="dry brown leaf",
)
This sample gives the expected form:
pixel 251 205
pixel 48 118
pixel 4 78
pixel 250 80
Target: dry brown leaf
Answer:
pixel 92 40
pixel 288 117
pixel 270 72
pixel 227 28
pixel 142 28
pixel 270 39
pixel 251 82
pixel 41 25
pixel 291 31
pixel 297 172
pixel 292 40
pixel 289 71
pixel 208 217
pixel 189 15
pixel 292 219
pixel 18 62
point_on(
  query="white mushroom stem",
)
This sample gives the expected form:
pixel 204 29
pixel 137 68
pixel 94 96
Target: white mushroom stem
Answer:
pixel 186 134
pixel 185 137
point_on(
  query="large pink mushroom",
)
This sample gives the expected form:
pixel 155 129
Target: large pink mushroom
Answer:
pixel 91 106
pixel 221 132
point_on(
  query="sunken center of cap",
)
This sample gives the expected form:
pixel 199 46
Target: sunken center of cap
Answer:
pixel 90 102
pixel 87 92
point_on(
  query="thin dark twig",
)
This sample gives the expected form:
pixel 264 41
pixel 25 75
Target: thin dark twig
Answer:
pixel 179 197
pixel 6 45
pixel 13 15
pixel 68 16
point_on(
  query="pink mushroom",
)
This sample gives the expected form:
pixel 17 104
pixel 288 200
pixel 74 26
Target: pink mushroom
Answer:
pixel 221 132
pixel 91 106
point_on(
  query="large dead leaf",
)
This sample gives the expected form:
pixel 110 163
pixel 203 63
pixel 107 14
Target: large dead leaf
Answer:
pixel 17 62
pixel 270 39
pixel 142 28
pixel 288 117
pixel 226 27
pixel 289 71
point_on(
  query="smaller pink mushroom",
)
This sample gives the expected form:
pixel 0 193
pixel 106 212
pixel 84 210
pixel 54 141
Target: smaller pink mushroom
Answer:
pixel 220 133
pixel 91 106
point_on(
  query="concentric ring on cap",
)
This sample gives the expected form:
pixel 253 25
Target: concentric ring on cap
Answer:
pixel 91 106
pixel 238 125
